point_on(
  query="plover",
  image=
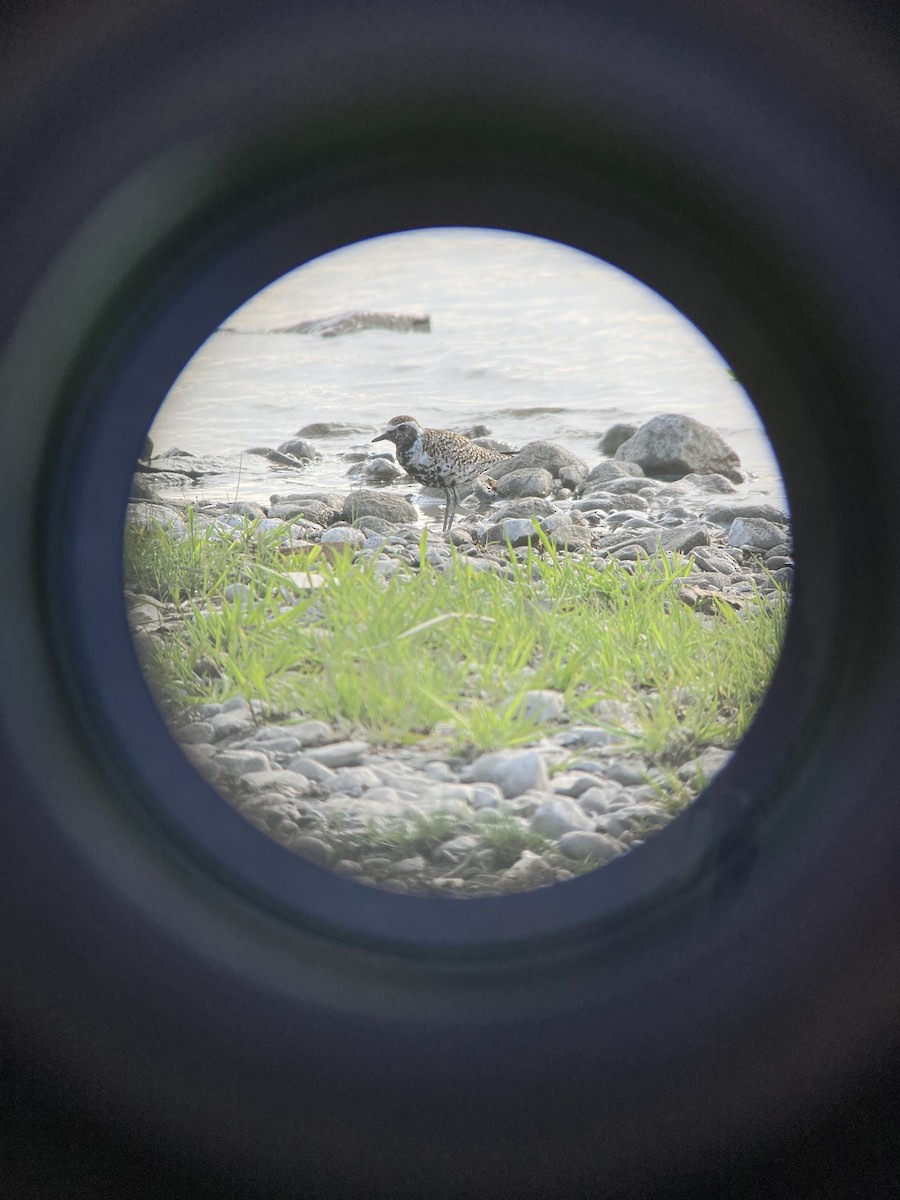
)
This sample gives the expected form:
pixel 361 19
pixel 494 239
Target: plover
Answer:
pixel 438 458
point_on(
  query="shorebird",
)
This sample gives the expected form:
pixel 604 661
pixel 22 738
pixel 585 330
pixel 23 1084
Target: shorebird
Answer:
pixel 438 458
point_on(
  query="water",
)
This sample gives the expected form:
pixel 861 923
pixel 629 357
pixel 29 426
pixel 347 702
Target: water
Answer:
pixel 533 338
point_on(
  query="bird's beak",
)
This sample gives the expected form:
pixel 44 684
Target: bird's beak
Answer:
pixel 382 437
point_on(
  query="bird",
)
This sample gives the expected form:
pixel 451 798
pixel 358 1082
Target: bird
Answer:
pixel 438 458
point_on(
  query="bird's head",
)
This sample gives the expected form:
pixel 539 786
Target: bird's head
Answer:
pixel 400 431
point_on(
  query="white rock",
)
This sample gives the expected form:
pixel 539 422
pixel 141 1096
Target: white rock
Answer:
pixel 543 704
pixel 280 781
pixel 344 535
pixel 598 799
pixel 242 762
pixel 513 771
pixel 555 817
pixel 486 795
pixel 755 532
pixel 338 754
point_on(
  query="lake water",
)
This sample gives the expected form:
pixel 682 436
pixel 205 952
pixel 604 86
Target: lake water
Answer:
pixel 532 338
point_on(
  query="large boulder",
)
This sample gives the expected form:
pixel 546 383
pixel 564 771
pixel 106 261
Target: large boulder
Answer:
pixel 671 446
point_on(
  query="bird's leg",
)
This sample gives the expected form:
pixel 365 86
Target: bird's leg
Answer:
pixel 450 510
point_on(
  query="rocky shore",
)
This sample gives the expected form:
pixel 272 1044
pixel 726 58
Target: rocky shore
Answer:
pixel 414 820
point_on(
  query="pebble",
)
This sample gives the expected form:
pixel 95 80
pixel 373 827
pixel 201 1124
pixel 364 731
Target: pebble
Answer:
pixel 754 532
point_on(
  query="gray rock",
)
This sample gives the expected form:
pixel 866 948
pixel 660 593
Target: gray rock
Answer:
pixel 355 322
pixel 317 772
pixel 226 724
pixel 238 593
pixel 145 516
pixel 309 510
pixel 526 481
pixel 344 535
pixel 242 762
pixel 415 865
pixel 565 533
pixel 724 512
pixel 518 531
pixel 709 483
pixel 367 503
pixel 353 781
pixel 605 472
pixel 284 782
pixel 585 844
pixel 626 484
pixel 378 468
pixel 600 797
pixel 573 783
pixel 543 704
pixel 276 457
pixel 331 429
pixel 587 735
pixel 307 733
pixel 486 795
pixel 616 436
pixel 707 764
pixel 145 616
pixel 457 849
pixel 143 489
pixel 330 500
pixel 639 817
pixel 195 733
pixel 754 532
pixel 339 754
pixel 513 771
pixel 300 448
pixel 528 507
pixel 714 558
pixel 673 445
pixel 312 848
pixel 628 774
pixel 555 817
pixel 775 562
pixel 548 455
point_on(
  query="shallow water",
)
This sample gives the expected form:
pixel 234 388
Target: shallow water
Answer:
pixel 535 339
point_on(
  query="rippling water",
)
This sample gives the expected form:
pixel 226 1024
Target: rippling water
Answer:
pixel 533 338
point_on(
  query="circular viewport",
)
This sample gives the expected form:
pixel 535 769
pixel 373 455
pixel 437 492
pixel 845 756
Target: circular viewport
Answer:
pixel 458 561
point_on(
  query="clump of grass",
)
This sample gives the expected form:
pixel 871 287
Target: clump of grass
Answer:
pixel 450 655
pixel 507 840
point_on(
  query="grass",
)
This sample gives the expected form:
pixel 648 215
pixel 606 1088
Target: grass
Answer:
pixel 448 656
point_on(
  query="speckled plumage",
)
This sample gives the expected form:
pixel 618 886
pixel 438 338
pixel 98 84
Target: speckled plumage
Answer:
pixel 438 458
